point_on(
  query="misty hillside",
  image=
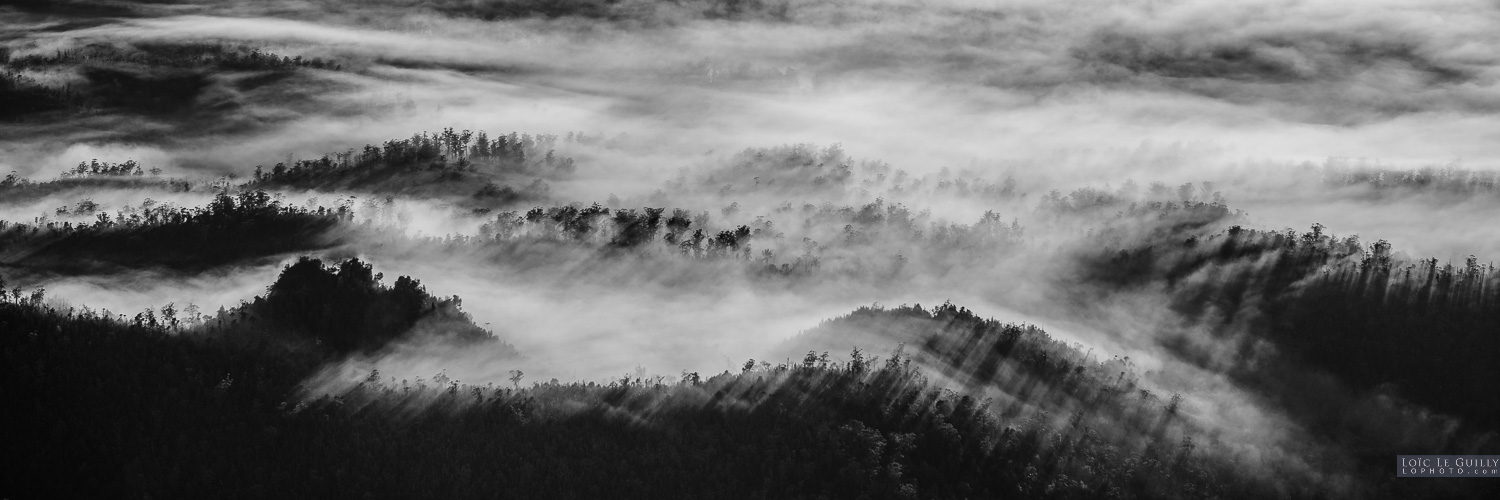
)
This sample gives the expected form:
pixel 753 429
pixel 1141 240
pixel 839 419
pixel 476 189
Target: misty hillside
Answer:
pixel 749 249
pixel 231 229
pixel 1367 314
pixel 863 427
pixel 444 165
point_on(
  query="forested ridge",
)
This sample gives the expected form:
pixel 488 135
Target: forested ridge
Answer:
pixel 180 409
pixel 670 11
pixel 147 78
pixel 857 426
pixel 93 174
pixel 248 225
pixel 444 164
pixel 256 399
pixel 1364 312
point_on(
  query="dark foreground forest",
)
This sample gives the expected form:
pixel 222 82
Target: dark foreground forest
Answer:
pixel 215 409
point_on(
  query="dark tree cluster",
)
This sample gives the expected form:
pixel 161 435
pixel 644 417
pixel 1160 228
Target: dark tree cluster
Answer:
pixel 863 248
pixel 804 169
pixel 345 308
pixel 629 227
pixel 94 168
pixel 96 175
pixel 1447 179
pixel 170 55
pixel 231 229
pixel 620 228
pixel 147 78
pixel 448 157
pixel 501 195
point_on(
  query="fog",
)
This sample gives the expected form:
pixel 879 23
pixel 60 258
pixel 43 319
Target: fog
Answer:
pixel 949 85
pixel 1255 106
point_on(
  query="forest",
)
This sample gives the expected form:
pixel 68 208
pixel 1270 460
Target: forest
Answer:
pixel 863 427
pixel 746 249
pixel 961 405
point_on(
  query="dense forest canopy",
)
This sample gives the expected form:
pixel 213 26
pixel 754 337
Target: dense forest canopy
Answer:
pixel 747 248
